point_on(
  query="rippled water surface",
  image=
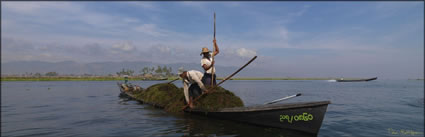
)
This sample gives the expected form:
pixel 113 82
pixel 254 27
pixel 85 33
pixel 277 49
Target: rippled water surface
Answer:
pixel 92 108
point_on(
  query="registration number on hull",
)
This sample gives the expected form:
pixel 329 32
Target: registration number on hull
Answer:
pixel 291 118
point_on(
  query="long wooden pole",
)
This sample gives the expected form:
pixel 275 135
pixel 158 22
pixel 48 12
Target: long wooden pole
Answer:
pixel 173 81
pixel 228 77
pixel 212 65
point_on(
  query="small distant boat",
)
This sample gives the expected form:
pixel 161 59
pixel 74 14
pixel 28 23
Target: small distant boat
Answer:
pixel 355 80
pixel 306 117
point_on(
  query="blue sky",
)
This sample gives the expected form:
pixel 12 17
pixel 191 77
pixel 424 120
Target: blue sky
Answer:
pixel 300 39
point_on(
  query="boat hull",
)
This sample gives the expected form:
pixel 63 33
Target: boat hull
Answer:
pixel 357 80
pixel 306 117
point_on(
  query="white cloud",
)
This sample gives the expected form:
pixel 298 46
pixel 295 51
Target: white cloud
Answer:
pixel 131 20
pixel 22 7
pixel 284 33
pixel 144 5
pixel 195 4
pixel 35 8
pixel 150 29
pixel 292 16
pixel 36 16
pixel 201 7
pixel 164 49
pixel 300 12
pixel 243 52
pixel 126 47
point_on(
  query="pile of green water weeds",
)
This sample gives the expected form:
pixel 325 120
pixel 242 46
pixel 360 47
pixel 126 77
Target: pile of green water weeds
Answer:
pixel 172 99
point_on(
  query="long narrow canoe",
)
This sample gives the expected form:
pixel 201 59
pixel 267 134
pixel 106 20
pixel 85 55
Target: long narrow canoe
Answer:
pixel 356 80
pixel 305 116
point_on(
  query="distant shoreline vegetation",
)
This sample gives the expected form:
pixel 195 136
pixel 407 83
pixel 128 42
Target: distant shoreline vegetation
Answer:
pixel 145 73
pixel 142 78
pixel 66 78
pixel 131 78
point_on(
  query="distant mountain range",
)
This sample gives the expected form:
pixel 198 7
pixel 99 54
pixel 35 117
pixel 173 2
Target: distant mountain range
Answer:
pixel 105 68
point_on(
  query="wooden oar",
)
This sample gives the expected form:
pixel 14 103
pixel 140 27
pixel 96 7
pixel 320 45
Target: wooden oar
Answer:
pixel 173 81
pixel 228 77
pixel 285 98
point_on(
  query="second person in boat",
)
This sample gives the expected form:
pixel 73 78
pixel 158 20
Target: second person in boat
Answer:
pixel 196 88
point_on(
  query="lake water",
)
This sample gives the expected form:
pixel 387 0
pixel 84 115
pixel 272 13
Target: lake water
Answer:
pixel 94 108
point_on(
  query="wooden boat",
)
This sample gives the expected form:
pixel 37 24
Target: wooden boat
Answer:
pixel 306 117
pixel 355 80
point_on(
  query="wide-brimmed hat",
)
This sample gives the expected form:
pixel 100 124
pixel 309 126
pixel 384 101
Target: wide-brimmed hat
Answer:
pixel 180 71
pixel 205 50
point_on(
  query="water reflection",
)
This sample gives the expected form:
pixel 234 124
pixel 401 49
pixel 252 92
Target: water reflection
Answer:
pixel 195 125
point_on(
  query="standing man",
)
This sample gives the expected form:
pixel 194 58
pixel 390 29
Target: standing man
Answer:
pixel 192 77
pixel 208 64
